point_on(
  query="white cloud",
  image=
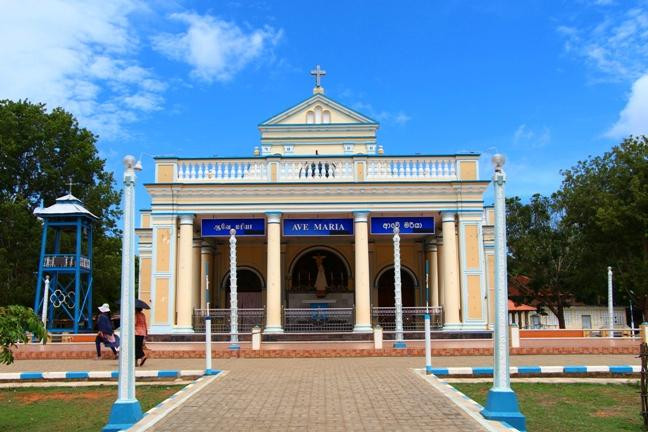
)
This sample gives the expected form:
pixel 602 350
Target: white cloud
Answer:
pixel 616 47
pixel 525 136
pixel 214 48
pixel 78 55
pixel 633 119
pixel 399 118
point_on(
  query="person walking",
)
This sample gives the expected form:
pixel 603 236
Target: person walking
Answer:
pixel 105 333
pixel 140 334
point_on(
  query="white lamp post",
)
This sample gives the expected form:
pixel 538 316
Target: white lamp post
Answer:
pixel 126 410
pixel 45 301
pixel 398 298
pixel 501 403
pixel 234 345
pixel 610 303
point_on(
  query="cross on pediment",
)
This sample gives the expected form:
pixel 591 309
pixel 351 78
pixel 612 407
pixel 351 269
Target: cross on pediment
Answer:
pixel 318 74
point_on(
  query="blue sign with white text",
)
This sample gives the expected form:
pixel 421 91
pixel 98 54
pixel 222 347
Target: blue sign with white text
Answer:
pixel 222 227
pixel 317 227
pixel 406 225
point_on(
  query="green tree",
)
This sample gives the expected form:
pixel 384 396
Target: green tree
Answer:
pixel 15 322
pixel 39 152
pixel 542 254
pixel 606 199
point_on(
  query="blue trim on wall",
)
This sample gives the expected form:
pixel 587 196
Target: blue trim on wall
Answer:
pixel 31 375
pixel 575 369
pixel 77 375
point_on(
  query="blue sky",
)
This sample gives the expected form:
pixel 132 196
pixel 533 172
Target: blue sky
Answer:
pixel 545 82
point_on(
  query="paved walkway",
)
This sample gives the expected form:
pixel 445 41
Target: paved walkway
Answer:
pixel 354 394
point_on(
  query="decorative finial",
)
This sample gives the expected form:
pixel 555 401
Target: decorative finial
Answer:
pixel 318 73
pixel 70 183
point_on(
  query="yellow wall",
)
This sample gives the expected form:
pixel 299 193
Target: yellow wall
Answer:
pixel 490 274
pixel 162 242
pixel 164 173
pixel 472 247
pixel 161 301
pixel 468 170
pixel 474 297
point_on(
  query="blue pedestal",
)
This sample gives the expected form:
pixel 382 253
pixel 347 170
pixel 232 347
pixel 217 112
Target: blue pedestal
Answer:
pixel 123 415
pixel 234 347
pixel 399 345
pixel 212 371
pixel 502 405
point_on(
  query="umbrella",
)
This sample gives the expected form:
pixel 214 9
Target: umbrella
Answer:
pixel 140 304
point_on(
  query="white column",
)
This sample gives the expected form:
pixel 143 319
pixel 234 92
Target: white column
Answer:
pixel 451 294
pixel 362 292
pixel 432 259
pixel 233 293
pixel 206 267
pixel 398 298
pixel 439 243
pixel 185 276
pixel 273 302
pixel 610 303
pixel 195 284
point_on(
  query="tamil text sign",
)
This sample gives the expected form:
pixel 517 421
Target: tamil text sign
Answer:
pixel 243 227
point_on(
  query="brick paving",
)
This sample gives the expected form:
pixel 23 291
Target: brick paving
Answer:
pixel 353 394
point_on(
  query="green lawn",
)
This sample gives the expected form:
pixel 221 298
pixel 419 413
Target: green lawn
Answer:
pixel 62 409
pixel 572 407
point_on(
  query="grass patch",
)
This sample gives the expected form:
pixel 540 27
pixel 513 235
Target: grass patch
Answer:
pixel 55 409
pixel 572 407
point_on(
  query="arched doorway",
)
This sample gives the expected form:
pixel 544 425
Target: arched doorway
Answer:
pixel 319 269
pixel 385 285
pixel 249 287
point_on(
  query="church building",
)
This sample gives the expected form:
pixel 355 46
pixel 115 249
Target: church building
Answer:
pixel 314 208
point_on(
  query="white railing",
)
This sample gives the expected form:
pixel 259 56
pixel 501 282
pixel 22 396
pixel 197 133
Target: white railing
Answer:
pixel 318 169
pixel 241 170
pixel 411 168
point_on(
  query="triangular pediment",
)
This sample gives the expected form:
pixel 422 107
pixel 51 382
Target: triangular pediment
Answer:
pixel 318 110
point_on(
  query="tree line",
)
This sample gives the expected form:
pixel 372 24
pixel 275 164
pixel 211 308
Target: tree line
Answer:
pixel 561 245
pixel 40 152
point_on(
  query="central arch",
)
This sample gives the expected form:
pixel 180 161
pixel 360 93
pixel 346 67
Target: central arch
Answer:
pixel 249 288
pixel 319 270
pixel 385 286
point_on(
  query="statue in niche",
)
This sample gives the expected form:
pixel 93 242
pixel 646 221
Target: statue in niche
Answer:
pixel 320 280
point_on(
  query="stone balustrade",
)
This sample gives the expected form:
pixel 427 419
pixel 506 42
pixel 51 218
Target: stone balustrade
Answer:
pixel 314 169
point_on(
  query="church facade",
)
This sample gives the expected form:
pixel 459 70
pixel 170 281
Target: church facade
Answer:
pixel 314 209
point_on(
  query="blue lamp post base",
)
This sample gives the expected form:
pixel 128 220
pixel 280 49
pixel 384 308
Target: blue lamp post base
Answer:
pixel 502 405
pixel 123 415
pixel 234 347
pixel 400 345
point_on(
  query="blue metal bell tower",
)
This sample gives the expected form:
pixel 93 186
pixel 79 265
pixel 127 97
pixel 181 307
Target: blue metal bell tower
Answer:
pixel 66 261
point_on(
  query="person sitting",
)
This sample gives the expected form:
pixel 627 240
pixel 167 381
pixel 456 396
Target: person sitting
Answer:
pixel 105 332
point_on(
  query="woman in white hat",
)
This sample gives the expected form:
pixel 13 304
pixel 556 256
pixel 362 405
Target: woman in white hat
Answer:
pixel 105 331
